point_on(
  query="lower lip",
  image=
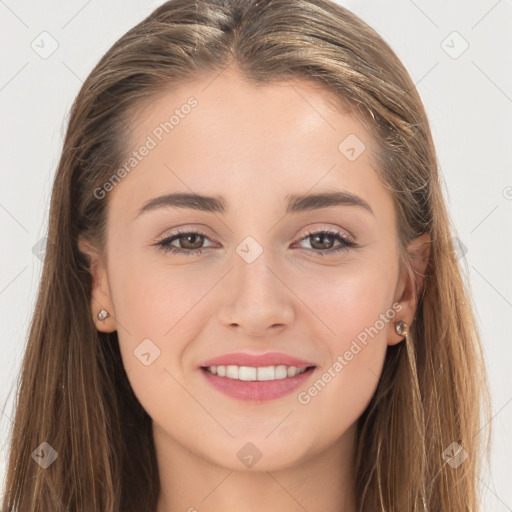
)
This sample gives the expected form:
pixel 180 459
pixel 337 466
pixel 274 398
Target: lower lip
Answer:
pixel 257 391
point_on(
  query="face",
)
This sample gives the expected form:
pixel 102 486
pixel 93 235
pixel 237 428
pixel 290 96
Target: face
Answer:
pixel 254 323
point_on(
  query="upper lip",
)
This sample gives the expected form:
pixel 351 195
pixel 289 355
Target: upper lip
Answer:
pixel 268 359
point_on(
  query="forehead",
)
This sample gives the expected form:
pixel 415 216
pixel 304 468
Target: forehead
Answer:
pixel 221 133
pixel 229 105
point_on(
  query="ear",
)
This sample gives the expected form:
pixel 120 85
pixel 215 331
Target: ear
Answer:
pixel 100 293
pixel 411 285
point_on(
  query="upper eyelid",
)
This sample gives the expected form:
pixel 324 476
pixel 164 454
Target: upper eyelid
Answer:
pixel 185 231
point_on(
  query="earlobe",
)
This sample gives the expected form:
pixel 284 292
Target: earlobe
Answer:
pixel 101 303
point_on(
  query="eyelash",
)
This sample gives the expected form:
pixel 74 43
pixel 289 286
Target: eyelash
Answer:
pixel 164 245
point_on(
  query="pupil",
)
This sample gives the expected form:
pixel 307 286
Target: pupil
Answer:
pixel 189 238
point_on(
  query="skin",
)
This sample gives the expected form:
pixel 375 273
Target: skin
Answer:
pixel 252 146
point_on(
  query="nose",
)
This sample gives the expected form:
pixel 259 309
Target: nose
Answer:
pixel 258 300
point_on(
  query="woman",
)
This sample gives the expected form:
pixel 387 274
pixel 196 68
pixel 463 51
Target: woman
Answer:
pixel 250 297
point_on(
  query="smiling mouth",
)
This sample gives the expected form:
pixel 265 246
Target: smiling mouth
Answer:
pixel 256 374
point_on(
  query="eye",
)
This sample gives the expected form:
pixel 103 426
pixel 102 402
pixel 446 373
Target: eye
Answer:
pixel 190 242
pixel 323 240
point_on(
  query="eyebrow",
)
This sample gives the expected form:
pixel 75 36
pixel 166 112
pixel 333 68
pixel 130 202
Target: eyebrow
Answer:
pixel 296 203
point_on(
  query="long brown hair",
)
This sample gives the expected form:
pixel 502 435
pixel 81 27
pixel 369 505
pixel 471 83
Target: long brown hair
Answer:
pixel 73 391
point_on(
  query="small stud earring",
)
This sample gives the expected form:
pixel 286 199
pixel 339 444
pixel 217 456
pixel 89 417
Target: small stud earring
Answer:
pixel 103 314
pixel 401 328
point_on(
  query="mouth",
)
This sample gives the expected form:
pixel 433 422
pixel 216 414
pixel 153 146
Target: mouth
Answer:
pixel 256 378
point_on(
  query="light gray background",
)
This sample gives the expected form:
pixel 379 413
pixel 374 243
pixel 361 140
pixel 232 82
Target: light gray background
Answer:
pixel 468 99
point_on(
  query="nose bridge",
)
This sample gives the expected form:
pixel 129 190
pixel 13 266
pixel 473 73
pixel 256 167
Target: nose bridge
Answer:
pixel 254 269
pixel 257 297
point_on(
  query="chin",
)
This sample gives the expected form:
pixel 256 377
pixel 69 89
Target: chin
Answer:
pixel 257 454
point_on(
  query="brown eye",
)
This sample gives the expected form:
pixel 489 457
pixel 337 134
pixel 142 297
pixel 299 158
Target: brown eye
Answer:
pixel 191 242
pixel 322 242
pixel 188 243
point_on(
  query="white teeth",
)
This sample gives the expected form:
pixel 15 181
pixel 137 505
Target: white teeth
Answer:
pixel 266 373
pixel 247 373
pixel 281 372
pixel 292 371
pixel 232 371
pixel 250 373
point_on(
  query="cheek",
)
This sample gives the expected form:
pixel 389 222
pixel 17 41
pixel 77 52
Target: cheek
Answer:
pixel 151 298
pixel 349 301
pixel 153 309
pixel 357 313
pixel 159 310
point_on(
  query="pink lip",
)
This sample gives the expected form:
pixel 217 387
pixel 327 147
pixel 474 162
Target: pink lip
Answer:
pixel 269 359
pixel 257 391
